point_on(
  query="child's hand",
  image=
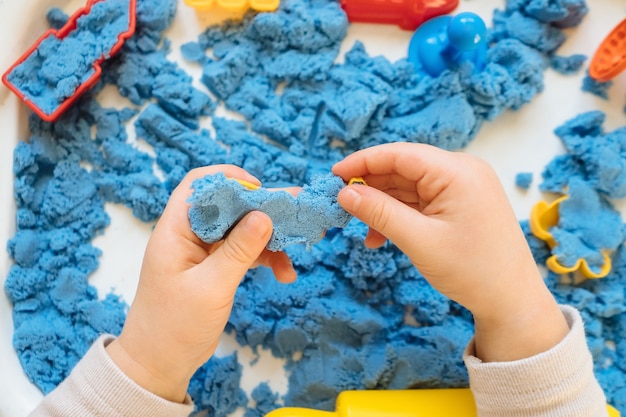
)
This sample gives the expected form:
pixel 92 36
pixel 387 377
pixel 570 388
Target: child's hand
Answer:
pixel 186 291
pixel 449 214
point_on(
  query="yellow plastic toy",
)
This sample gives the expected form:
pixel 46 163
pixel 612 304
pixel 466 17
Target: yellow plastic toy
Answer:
pixel 247 184
pixel 234 5
pixel 544 216
pixel 457 402
pixel 357 180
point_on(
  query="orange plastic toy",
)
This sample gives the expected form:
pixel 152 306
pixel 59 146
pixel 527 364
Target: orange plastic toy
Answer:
pixel 543 217
pixel 60 34
pixel 235 5
pixel 408 14
pixel 610 58
pixel 457 402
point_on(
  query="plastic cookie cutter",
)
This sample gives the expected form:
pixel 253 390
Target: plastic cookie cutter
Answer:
pixel 446 41
pixel 610 57
pixel 61 34
pixel 543 217
pixel 457 402
pixel 408 14
pixel 234 5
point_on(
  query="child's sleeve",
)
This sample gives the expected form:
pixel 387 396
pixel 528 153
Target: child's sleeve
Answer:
pixel 558 382
pixel 97 386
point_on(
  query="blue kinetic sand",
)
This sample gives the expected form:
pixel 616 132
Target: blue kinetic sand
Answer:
pixel 265 400
pixel 446 42
pixel 315 107
pixel 218 203
pixel 588 225
pixel 597 88
pixel 523 180
pixel 597 156
pixel 56 18
pixel 215 387
pixel 55 70
pixel 568 65
pixel 356 318
pixel 57 314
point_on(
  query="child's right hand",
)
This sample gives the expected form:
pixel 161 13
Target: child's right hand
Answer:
pixel 450 215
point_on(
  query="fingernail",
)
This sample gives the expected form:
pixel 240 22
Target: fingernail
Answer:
pixel 252 179
pixel 350 198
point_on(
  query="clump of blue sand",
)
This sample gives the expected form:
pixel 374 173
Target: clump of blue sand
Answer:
pixel 218 203
pixel 592 154
pixel 356 318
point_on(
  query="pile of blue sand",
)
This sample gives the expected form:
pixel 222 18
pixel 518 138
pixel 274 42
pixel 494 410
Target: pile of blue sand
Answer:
pixel 265 400
pixel 596 156
pixel 277 71
pixel 57 314
pixel 356 318
pixel 214 379
pixel 343 324
pixel 218 203
pixel 54 71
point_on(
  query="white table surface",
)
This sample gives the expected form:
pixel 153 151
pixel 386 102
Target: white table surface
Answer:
pixel 515 142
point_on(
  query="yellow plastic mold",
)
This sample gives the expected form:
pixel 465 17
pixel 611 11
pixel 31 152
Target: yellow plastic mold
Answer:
pixel 544 216
pixel 457 402
pixel 247 184
pixel 357 180
pixel 234 5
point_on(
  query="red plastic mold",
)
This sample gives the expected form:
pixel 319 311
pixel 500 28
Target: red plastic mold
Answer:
pixel 60 34
pixel 408 14
pixel 610 57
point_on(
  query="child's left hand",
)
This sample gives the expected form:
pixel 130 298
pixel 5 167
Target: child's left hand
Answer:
pixel 186 292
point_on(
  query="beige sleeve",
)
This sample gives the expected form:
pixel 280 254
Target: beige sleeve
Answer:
pixel 97 387
pixel 555 383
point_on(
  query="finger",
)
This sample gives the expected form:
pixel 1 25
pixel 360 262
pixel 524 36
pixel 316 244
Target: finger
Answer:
pixel 410 160
pixel 283 268
pixel 374 239
pixel 175 218
pixel 184 190
pixel 281 265
pixel 390 181
pixel 386 215
pixel 239 251
pixel 406 196
pixel 294 191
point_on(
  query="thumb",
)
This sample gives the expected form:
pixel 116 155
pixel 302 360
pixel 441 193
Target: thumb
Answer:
pixel 385 214
pixel 241 248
